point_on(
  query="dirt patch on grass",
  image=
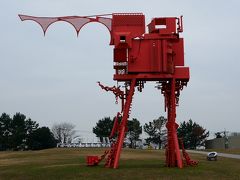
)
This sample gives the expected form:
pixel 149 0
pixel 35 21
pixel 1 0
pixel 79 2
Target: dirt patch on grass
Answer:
pixel 8 162
pixel 62 165
pixel 142 154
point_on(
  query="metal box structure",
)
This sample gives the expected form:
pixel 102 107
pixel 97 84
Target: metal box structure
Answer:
pixel 139 56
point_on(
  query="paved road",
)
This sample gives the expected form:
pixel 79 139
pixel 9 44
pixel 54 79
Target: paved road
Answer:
pixel 235 156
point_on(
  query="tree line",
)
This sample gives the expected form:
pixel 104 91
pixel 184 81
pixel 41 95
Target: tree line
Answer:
pixel 19 132
pixel 192 134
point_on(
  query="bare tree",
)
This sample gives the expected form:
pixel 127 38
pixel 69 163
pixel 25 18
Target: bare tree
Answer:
pixel 63 132
pixel 156 131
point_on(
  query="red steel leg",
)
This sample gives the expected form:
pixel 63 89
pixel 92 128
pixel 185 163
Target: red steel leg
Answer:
pixel 123 125
pixel 173 153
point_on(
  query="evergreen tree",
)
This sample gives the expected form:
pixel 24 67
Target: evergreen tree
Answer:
pixel 41 138
pixel 18 131
pixel 193 134
pixel 134 131
pixel 103 128
pixel 5 131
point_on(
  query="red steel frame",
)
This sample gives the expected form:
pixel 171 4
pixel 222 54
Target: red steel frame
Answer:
pixel 139 56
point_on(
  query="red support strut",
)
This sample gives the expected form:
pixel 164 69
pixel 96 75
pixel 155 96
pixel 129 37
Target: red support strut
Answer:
pixel 173 157
pixel 114 155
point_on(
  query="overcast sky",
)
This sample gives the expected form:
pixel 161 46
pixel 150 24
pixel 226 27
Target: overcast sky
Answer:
pixel 53 79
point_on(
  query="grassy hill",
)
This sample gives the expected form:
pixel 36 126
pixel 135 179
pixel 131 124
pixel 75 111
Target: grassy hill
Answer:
pixel 134 164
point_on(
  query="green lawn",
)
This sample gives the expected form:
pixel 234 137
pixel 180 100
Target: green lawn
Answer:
pixel 134 164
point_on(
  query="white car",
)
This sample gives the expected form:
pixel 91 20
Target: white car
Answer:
pixel 212 156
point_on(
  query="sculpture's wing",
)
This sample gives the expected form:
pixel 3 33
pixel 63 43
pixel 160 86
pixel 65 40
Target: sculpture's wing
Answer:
pixel 77 21
pixel 44 22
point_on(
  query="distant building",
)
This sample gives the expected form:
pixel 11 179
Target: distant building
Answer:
pixel 228 142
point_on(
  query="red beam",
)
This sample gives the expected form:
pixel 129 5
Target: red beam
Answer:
pixel 181 73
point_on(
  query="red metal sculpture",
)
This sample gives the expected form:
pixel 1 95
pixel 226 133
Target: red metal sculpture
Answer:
pixel 139 56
